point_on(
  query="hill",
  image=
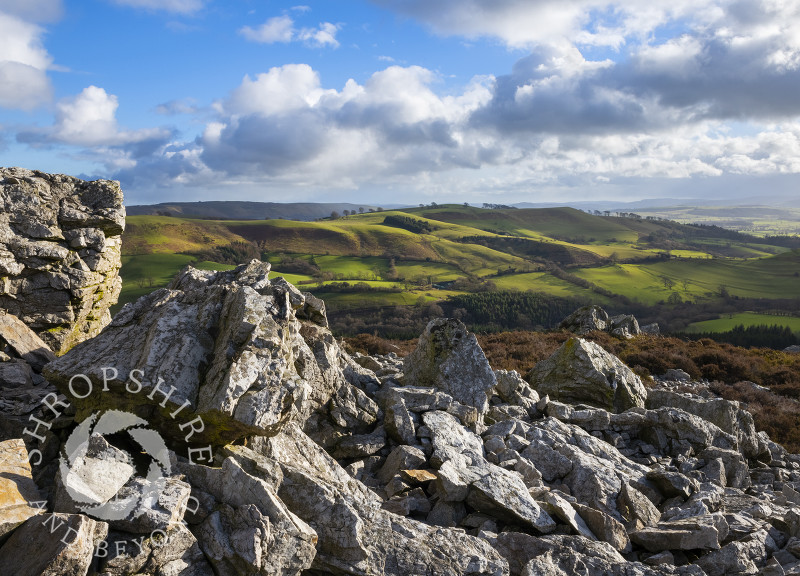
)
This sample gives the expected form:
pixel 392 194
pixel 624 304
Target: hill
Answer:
pixel 384 270
pixel 235 210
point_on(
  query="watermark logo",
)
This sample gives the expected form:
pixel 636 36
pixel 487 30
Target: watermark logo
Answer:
pixel 113 467
pixel 95 472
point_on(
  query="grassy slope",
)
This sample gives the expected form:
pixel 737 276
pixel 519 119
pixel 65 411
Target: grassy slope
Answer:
pixel 359 248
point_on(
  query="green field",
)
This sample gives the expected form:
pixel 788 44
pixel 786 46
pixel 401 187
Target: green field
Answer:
pixel 597 258
pixel 745 319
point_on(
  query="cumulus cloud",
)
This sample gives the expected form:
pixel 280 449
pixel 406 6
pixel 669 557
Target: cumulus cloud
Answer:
pixel 282 29
pixel 23 64
pixel 88 122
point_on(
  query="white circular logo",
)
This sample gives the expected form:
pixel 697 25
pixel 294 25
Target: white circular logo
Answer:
pixel 101 478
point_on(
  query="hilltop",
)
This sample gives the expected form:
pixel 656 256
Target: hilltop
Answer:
pixel 236 210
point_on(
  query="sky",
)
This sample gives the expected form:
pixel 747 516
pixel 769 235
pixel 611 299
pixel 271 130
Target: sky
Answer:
pixel 406 101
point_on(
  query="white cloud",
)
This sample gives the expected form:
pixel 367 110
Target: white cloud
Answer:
pixel 323 36
pixel 282 29
pixel 174 6
pixel 277 29
pixel 23 65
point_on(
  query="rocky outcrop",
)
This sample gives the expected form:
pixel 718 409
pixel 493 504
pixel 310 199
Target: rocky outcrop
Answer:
pixel 318 463
pixel 590 318
pixel 229 345
pixel 449 358
pixel 582 372
pixel 60 240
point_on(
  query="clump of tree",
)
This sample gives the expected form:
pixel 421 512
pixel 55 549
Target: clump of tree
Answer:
pixel 233 253
pixel 407 223
pixel 761 336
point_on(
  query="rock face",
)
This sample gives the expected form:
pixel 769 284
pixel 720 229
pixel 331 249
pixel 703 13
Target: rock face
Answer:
pixel 582 372
pixel 448 357
pixel 19 494
pixel 60 240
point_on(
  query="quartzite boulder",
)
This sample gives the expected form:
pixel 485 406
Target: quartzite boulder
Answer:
pixel 60 240
pixel 52 545
pixel 19 495
pixel 581 372
pixel 226 346
pixel 449 357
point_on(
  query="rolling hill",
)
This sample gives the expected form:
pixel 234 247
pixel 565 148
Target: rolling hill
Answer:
pixel 418 256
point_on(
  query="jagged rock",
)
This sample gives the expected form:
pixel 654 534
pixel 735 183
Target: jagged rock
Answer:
pixel 605 527
pixel 225 344
pixel 446 514
pixel 52 545
pixel 60 240
pixel 24 341
pixel 19 496
pixel 582 372
pixel 360 445
pixel 672 484
pixel 401 458
pixel 653 329
pixel 356 536
pixel 399 423
pixel 449 358
pixel 514 390
pixel 636 509
pixel 413 501
pixel 585 320
pixel 16 374
pixel 252 531
pixel 727 415
pixel 464 471
pixel 742 557
pixel 624 326
pixel 560 508
pixel 676 374
pixel 156 555
pixel 696 533
pixel 567 555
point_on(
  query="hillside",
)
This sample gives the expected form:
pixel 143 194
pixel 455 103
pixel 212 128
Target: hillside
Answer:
pixel 366 265
pixel 235 210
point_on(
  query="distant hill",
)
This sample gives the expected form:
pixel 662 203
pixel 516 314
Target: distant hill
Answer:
pixel 235 210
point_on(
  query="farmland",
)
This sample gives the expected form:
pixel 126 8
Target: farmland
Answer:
pixel 419 256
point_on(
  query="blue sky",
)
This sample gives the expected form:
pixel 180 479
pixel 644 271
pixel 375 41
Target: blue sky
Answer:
pixel 391 101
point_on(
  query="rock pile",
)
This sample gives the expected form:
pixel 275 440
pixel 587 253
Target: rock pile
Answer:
pixel 60 240
pixel 274 452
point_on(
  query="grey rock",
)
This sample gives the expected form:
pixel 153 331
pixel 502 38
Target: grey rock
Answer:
pixel 401 458
pixel 727 415
pixel 585 320
pixel 52 545
pixel 51 283
pixel 252 531
pixel 561 509
pixel 399 423
pixel 24 341
pixel 624 326
pixel 698 533
pixel 175 552
pixel 449 358
pixel 225 344
pixel 356 536
pixel 605 527
pixel 566 555
pixel 582 372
